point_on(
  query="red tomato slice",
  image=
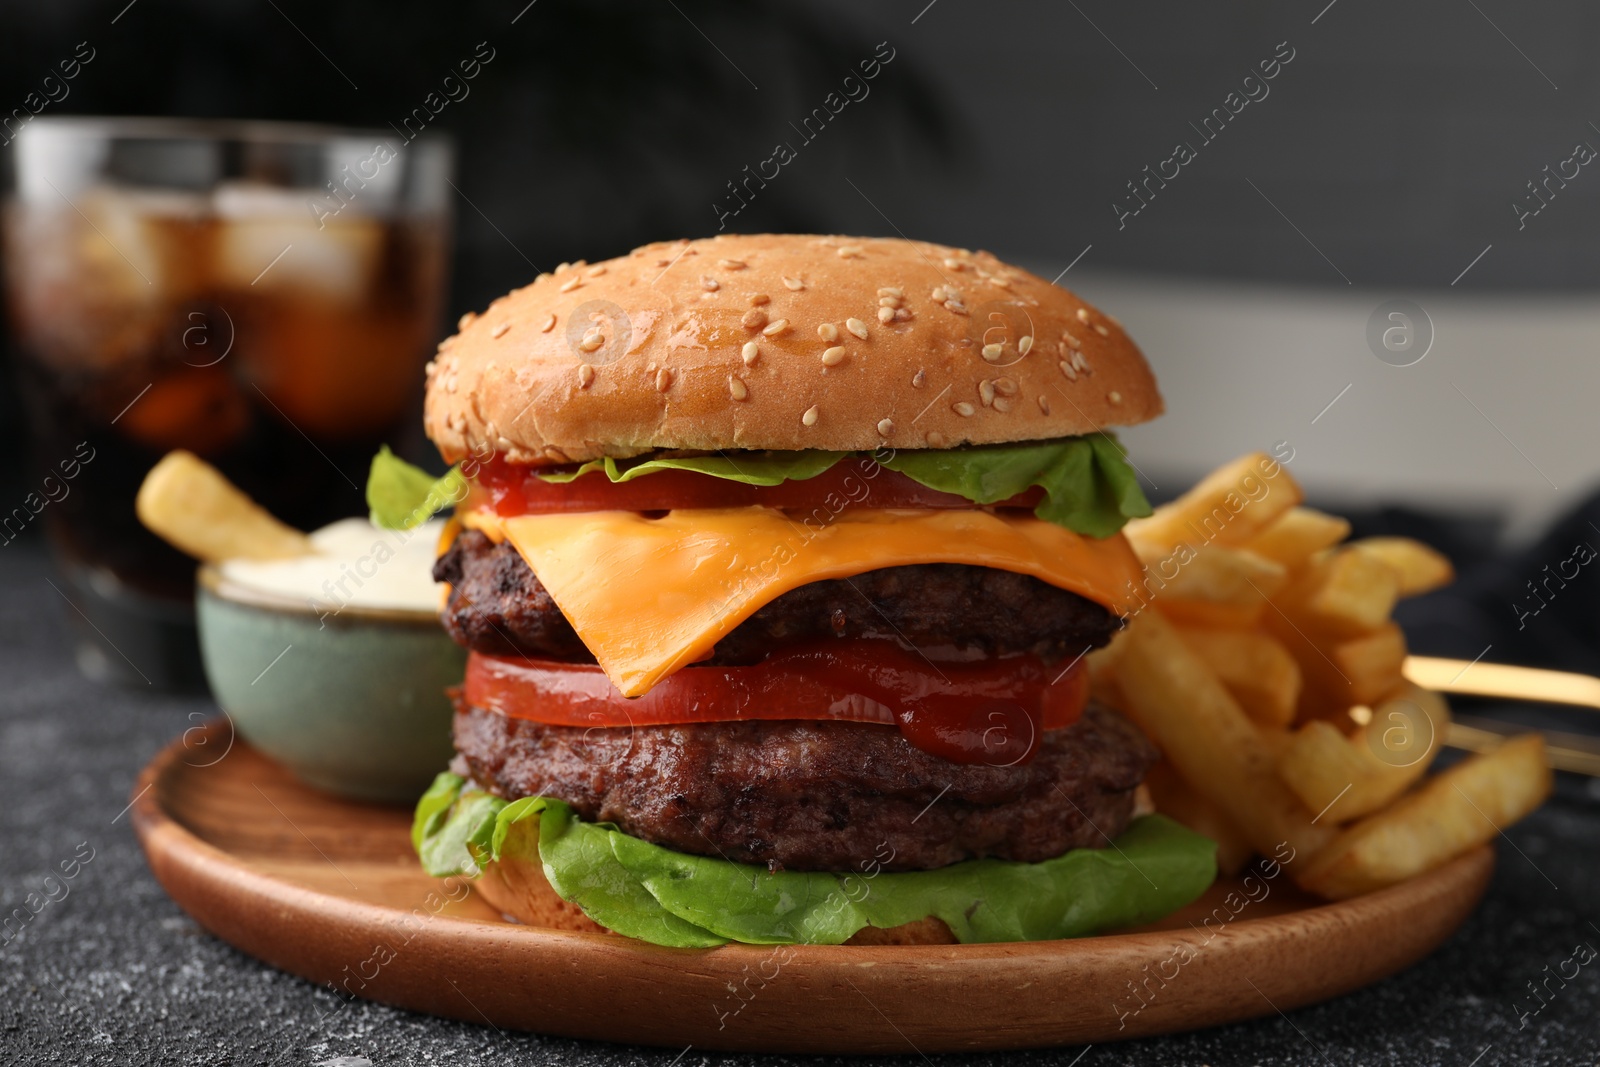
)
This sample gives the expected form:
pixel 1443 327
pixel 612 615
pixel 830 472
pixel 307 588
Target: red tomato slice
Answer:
pixel 987 711
pixel 852 482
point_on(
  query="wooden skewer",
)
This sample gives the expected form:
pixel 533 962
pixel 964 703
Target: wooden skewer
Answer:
pixel 1567 751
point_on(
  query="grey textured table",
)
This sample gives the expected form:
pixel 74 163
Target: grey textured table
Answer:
pixel 113 972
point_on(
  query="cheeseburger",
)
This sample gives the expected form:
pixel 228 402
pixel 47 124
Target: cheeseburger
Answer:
pixel 778 559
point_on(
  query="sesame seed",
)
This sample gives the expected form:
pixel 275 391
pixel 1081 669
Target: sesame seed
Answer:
pixel 936 439
pixel 993 352
pixel 754 319
pixel 954 264
pixel 851 252
pixel 833 356
pixel 1002 404
pixel 964 409
pixel 731 264
pixel 828 332
pixel 1079 363
pixel 549 324
pixel 810 417
pixel 1101 330
pixel 1083 315
pixel 663 380
pixel 431 367
pixel 759 299
pixel 585 376
pixel 597 270
pixel 1025 345
pixel 794 285
pixel 999 282
pixel 1114 396
pixel 751 353
pixel 939 295
pixel 986 392
pixel 591 342
pixel 886 315
pixel 1006 386
pixel 891 291
pixel 888 301
pixel 885 427
pixel 542 276
pixel 1066 368
pixel 1044 403
pixel 710 284
pixel 563 265
pixel 857 327
pixel 571 284
pixel 501 330
pixel 466 320
pixel 919 379
pixel 902 314
pixel 1072 342
pixel 955 307
pixel 773 329
pixel 737 389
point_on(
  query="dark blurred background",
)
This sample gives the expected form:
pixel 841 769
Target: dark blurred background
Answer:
pixel 1392 155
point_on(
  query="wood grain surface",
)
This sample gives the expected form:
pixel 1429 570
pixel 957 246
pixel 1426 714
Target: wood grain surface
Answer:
pixel 329 890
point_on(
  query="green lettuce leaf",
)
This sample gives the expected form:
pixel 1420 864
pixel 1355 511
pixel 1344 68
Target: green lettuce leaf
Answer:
pixel 751 468
pixel 446 821
pixel 670 898
pixel 401 496
pixel 1088 485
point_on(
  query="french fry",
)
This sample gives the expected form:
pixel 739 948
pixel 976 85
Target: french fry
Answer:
pixel 1371 664
pixel 1176 799
pixel 189 504
pixel 1171 693
pixel 1260 673
pixel 1229 506
pixel 1213 585
pixel 1420 569
pixel 1341 673
pixel 1345 777
pixel 1101 664
pixel 1452 813
pixel 1298 534
pixel 1342 594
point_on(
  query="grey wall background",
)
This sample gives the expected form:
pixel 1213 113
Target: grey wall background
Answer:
pixel 1396 140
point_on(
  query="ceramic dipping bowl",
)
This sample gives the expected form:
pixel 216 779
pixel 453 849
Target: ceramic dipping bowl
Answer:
pixel 351 700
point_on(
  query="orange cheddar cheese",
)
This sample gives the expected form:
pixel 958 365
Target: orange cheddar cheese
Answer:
pixel 649 596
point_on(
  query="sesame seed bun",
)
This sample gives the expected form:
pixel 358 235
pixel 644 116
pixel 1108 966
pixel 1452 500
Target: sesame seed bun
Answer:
pixel 781 341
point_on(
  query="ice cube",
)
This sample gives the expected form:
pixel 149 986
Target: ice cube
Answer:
pixel 336 261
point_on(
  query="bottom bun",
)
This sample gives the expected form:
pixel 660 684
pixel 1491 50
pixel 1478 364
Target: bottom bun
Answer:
pixel 519 889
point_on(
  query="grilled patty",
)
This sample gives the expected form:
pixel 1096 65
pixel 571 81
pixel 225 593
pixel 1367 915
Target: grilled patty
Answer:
pixel 818 796
pixel 497 606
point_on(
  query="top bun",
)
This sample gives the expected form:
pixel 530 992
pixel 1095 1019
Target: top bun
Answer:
pixel 781 341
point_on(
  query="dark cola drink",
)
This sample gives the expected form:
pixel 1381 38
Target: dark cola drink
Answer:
pixel 226 289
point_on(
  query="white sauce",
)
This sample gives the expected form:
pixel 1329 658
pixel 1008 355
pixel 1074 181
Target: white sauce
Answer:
pixel 355 565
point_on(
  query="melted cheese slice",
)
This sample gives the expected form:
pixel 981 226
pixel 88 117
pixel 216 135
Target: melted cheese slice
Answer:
pixel 649 596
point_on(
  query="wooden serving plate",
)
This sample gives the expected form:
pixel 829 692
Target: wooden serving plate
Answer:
pixel 329 889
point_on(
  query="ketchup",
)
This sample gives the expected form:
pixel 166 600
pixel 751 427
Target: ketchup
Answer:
pixel 990 711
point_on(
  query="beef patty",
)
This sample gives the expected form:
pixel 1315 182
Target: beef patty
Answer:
pixel 818 796
pixel 498 606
